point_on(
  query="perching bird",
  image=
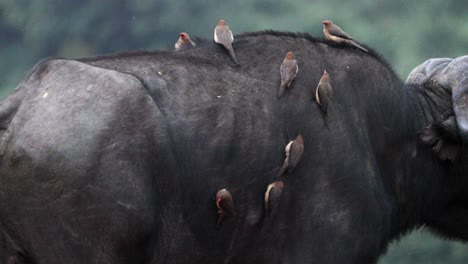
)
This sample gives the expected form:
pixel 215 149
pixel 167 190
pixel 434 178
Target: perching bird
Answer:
pixel 288 72
pixel 336 34
pixel 184 41
pixel 294 151
pixel 323 94
pixel 273 196
pixel 223 36
pixel 225 204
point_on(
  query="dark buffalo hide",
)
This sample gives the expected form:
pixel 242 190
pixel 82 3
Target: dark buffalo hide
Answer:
pixel 117 159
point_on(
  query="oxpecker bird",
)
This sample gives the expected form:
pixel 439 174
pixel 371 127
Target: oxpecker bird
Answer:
pixel 323 94
pixel 225 204
pixel 294 151
pixel 224 37
pixel 336 34
pixel 288 72
pixel 184 41
pixel 273 196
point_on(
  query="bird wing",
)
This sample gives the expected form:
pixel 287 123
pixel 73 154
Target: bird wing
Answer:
pixel 283 168
pixel 324 93
pixel 338 32
pixel 273 199
pixel 295 154
pixel 228 206
pixel 223 36
pixel 288 71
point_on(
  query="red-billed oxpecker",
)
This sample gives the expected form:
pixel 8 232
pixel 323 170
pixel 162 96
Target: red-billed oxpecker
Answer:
pixel 294 151
pixel 336 34
pixel 184 41
pixel 323 94
pixel 288 72
pixel 225 204
pixel 224 37
pixel 273 196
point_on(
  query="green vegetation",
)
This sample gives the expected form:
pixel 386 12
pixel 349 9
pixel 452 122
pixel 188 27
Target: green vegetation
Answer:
pixel 405 32
pixel 423 248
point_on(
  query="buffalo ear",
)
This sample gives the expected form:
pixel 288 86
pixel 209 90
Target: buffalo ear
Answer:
pixel 443 138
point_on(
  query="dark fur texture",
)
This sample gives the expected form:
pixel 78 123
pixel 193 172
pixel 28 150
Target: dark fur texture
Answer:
pixel 120 161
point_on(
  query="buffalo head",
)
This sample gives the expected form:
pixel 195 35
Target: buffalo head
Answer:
pixel 443 85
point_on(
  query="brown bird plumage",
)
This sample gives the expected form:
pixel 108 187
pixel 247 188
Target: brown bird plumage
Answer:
pixel 288 72
pixel 293 150
pixel 336 34
pixel 323 94
pixel 225 204
pixel 224 37
pixel 184 41
pixel 273 196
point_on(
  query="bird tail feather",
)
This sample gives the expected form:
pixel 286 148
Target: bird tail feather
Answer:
pixel 326 121
pixel 357 45
pixel 233 55
pixel 282 170
pixel 325 110
pixel 281 89
pixel 220 219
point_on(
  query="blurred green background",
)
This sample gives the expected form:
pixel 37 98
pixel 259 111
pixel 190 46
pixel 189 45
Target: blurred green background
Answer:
pixel 405 32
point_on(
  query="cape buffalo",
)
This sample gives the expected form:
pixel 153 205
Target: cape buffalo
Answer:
pixel 117 159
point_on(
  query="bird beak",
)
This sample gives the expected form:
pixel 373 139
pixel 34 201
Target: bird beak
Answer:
pixel 324 22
